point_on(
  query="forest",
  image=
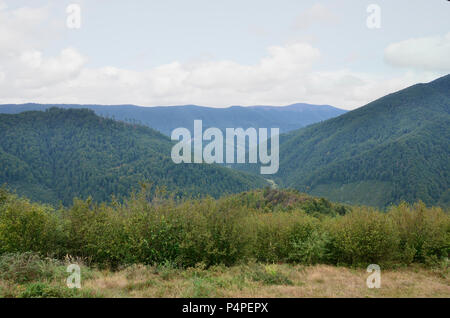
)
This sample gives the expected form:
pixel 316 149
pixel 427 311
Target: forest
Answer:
pixel 57 155
pixel 394 149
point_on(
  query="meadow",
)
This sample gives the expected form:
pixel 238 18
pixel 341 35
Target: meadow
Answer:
pixel 254 242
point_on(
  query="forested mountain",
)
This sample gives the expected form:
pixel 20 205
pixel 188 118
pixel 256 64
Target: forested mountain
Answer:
pixel 395 148
pixel 58 154
pixel 165 119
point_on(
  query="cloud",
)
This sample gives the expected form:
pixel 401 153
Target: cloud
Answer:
pixel 286 74
pixel 22 28
pixel 32 70
pixel 3 6
pixel 426 53
pixel 318 13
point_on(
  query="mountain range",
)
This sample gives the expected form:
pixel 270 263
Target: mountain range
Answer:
pixel 396 148
pixel 58 154
pixel 165 119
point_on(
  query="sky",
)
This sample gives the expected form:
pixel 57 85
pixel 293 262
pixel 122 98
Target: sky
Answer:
pixel 219 53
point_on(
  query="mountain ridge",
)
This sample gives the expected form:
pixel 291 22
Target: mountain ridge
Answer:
pixel 342 151
pixel 60 154
pixel 166 118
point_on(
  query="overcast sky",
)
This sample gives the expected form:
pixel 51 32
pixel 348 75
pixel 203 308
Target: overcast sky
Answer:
pixel 219 53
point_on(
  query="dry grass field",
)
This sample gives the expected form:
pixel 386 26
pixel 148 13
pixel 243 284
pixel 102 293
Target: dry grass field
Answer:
pixel 268 281
pixel 253 280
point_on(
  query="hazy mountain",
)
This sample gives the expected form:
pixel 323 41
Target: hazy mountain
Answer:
pixel 165 119
pixel 59 154
pixel 395 148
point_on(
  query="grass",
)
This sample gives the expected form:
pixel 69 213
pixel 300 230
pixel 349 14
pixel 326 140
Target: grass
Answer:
pixel 254 280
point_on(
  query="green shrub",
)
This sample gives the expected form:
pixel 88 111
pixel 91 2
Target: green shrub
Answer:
pixel 96 233
pixel 46 290
pixel 266 226
pixel 43 290
pixel 424 233
pixel 28 227
pixel 153 235
pixel 293 237
pixel 269 275
pixel 213 233
pixel 309 248
pixel 363 237
pixel 272 231
pixel 26 267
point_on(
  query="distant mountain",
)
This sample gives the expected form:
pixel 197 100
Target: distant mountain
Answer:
pixel 58 154
pixel 395 148
pixel 167 118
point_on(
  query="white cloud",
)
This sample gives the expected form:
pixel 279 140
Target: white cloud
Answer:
pixel 286 74
pixel 22 28
pixel 3 6
pixel 318 13
pixel 427 53
pixel 32 70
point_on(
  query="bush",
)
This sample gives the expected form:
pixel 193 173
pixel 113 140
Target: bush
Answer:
pixel 96 233
pixel 272 233
pixel 26 267
pixel 309 249
pixel 424 233
pixel 266 226
pixel 28 227
pixel 46 290
pixel 269 275
pixel 363 237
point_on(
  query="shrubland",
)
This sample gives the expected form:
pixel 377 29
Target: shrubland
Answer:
pixel 265 226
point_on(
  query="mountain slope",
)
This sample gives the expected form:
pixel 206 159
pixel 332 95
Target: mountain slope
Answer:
pixel 395 148
pixel 59 154
pixel 165 119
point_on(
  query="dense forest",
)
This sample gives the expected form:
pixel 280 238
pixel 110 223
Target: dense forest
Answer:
pixel 395 148
pixel 59 154
pixel 391 150
pixel 165 119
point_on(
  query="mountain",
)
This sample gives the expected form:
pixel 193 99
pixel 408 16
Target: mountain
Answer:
pixel 59 154
pixel 165 119
pixel 395 148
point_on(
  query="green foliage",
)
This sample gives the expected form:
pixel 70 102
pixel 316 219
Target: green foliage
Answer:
pixel 361 237
pixel 269 275
pixel 310 248
pixel 47 290
pixel 26 226
pixel 25 267
pixel 395 148
pixel 152 228
pixel 424 233
pixel 59 154
pixel 166 119
pixel 44 290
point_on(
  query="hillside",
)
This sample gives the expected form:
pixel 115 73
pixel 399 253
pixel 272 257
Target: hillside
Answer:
pixel 165 119
pixel 395 148
pixel 58 154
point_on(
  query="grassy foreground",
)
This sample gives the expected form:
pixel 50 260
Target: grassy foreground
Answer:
pixel 269 281
pixel 253 280
pixel 262 243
